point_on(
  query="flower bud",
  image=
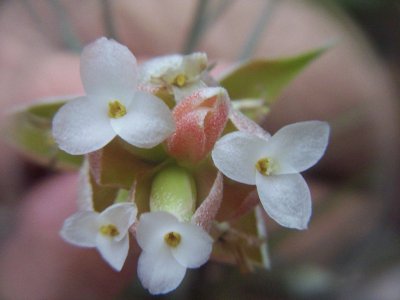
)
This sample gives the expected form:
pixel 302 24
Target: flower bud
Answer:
pixel 174 190
pixel 200 120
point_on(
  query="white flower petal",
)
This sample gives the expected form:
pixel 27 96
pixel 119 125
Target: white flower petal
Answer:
pixel 154 68
pixel 195 246
pixel 236 154
pixel 159 272
pixel 114 252
pixel 122 215
pixel 152 227
pixel 108 69
pixel 181 93
pixel 299 146
pixel 81 229
pixel 147 123
pixel 194 64
pixel 286 199
pixel 79 127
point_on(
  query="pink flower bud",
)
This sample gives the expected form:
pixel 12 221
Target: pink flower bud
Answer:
pixel 200 119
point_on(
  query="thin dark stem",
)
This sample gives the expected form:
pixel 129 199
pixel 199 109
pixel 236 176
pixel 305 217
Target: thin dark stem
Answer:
pixel 70 39
pixel 108 20
pixel 198 26
pixel 258 29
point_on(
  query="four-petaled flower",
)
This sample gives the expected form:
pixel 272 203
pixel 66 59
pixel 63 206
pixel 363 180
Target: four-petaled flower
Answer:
pixel 182 74
pixel 273 165
pixel 113 105
pixel 107 231
pixel 168 248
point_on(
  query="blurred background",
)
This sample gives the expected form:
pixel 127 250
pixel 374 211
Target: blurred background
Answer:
pixel 352 247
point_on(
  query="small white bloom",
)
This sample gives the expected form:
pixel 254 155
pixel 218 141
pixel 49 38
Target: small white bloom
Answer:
pixel 273 165
pixel 182 73
pixel 107 231
pixel 168 248
pixel 112 106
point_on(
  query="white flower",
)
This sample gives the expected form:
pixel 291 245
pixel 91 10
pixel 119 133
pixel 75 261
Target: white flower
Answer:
pixel 273 165
pixel 168 248
pixel 183 74
pixel 112 106
pixel 107 231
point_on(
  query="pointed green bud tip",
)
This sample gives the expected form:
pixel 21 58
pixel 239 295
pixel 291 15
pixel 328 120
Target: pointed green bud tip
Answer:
pixel 174 190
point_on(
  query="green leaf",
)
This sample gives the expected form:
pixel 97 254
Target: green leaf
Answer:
pixel 29 131
pixel 265 79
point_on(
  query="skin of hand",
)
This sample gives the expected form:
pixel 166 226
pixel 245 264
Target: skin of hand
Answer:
pixel 33 65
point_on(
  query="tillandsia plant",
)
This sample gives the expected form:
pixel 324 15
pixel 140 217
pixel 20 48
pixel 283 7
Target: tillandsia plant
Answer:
pixel 174 158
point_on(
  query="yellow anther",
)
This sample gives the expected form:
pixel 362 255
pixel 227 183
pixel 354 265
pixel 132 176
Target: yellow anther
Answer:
pixel 173 239
pixel 180 80
pixel 116 109
pixel 109 230
pixel 264 166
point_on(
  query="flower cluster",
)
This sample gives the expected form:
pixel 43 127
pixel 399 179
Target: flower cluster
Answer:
pixel 168 129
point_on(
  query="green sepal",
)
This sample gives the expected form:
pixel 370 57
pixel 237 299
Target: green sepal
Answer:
pixel 155 154
pixel 102 196
pixel 174 190
pixel 29 130
pixel 114 166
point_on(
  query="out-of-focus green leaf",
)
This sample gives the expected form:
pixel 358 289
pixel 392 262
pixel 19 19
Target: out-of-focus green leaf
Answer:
pixel 265 79
pixel 45 111
pixel 29 130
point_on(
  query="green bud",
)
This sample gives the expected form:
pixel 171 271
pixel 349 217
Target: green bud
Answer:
pixel 174 190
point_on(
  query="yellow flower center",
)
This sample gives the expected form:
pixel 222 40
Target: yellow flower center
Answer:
pixel 264 166
pixel 173 239
pixel 109 230
pixel 116 109
pixel 180 80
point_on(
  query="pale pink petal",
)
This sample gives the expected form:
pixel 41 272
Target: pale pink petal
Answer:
pixel 205 214
pixel 188 147
pixel 80 127
pixel 243 123
pixel 85 192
